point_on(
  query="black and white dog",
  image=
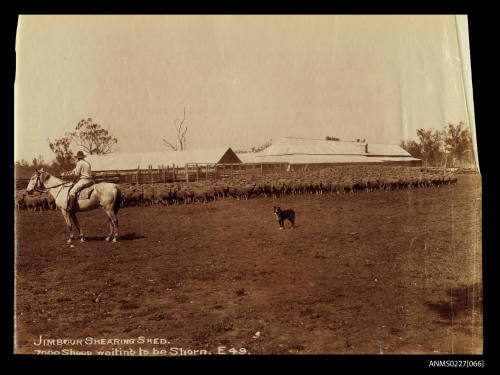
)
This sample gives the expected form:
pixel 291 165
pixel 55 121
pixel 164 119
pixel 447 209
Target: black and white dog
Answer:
pixel 282 215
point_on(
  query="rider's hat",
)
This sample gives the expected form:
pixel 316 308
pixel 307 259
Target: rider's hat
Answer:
pixel 80 155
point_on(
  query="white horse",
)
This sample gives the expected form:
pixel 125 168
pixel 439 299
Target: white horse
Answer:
pixel 105 195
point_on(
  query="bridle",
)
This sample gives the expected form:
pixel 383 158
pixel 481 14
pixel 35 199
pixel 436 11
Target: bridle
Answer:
pixel 37 183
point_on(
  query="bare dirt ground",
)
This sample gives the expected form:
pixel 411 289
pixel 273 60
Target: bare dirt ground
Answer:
pixel 395 270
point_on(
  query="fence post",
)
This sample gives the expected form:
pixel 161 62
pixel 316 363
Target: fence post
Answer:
pixel 173 172
pixel 261 168
pixel 197 175
pixel 138 175
pixel 232 170
pixel 187 172
pixel 223 170
pixel 206 172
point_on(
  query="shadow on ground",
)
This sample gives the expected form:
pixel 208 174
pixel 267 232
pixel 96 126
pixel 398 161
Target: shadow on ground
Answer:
pixel 458 301
pixel 124 237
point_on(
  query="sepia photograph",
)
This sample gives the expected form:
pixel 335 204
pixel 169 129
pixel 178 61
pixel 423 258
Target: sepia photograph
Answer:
pixel 196 185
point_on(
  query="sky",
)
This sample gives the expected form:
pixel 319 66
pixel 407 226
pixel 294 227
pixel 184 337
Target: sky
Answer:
pixel 242 79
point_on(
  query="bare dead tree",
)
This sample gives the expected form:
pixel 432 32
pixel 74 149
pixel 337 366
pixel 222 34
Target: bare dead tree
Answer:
pixel 180 143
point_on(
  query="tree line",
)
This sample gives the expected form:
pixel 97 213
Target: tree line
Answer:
pixel 88 136
pixel 451 146
pixel 91 138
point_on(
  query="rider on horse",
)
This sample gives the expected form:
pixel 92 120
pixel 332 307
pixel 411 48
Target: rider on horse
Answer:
pixel 84 173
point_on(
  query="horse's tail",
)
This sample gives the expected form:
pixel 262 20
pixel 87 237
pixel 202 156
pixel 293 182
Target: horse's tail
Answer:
pixel 118 200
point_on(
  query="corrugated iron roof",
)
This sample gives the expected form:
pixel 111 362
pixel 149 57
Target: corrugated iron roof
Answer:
pixel 315 151
pixel 129 161
pixel 289 146
pixel 396 158
pixel 249 157
pixel 313 159
pixel 285 150
pixel 323 159
pixel 386 150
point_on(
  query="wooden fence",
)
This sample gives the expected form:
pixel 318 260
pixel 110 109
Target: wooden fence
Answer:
pixel 172 173
pixel 187 173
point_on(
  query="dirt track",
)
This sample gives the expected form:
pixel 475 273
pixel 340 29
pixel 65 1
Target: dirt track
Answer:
pixel 399 270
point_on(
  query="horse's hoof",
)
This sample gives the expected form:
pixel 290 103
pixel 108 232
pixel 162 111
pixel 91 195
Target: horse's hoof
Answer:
pixel 115 240
pixel 71 245
pixel 82 239
pixel 107 239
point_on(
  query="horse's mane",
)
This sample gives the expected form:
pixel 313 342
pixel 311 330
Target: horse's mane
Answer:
pixel 44 176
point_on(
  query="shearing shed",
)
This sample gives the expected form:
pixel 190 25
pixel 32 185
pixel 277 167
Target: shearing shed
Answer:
pixel 302 152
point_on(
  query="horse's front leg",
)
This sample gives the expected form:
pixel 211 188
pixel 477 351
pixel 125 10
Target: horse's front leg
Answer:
pixel 77 226
pixel 68 224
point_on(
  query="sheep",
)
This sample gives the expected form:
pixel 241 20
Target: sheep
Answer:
pixel 232 192
pixel 148 197
pixel 189 195
pixel 20 200
pixel 245 192
pixel 358 186
pixel 333 180
pixel 51 203
pixel 127 197
pixel 136 197
pixel 199 195
pixel 348 187
pixel 173 197
pixel 267 190
pixel 34 203
pixel 44 202
pixel 218 192
pixel 372 185
pixel 338 188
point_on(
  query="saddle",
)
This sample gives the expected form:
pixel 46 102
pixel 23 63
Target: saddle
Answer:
pixel 85 193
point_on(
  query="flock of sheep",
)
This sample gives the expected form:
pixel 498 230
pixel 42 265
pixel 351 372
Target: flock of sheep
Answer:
pixel 333 180
pixel 35 202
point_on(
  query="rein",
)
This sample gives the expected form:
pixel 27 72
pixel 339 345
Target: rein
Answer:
pixel 50 187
